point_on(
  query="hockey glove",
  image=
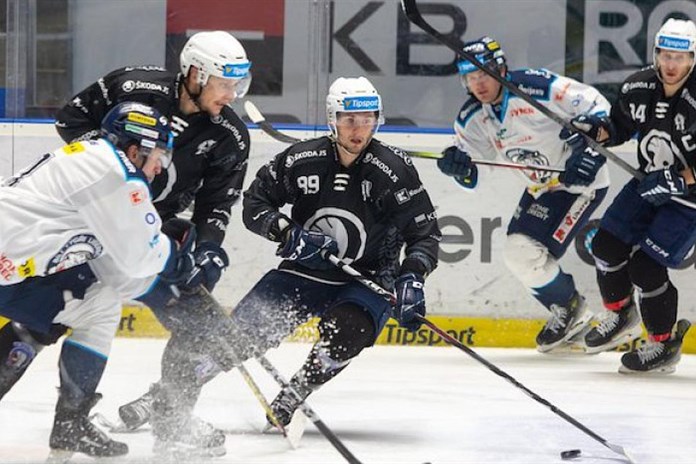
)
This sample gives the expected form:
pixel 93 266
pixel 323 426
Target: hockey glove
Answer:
pixel 590 124
pixel 658 187
pixel 181 262
pixel 210 262
pixel 583 163
pixel 410 300
pixel 457 163
pixel 307 248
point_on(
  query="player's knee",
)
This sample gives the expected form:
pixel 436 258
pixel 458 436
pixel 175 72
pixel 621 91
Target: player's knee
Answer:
pixel 608 250
pixel 646 273
pixel 345 330
pixel 529 260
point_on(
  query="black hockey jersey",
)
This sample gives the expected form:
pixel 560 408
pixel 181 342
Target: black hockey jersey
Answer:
pixel 666 127
pixel 210 154
pixel 370 208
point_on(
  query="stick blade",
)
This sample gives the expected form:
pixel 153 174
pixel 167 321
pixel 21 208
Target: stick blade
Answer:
pixel 253 112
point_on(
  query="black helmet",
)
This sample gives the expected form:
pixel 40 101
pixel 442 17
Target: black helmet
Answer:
pixel 487 51
pixel 134 123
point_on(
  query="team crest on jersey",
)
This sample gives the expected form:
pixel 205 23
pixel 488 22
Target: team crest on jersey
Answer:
pixel 659 151
pixel 78 250
pixel 523 156
pixel 345 227
pixel 205 146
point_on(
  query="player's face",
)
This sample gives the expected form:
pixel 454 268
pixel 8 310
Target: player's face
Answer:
pixel 217 93
pixel 151 165
pixel 482 86
pixel 674 66
pixel 355 130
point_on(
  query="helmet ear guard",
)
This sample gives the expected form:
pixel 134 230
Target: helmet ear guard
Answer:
pixel 352 95
pixel 219 54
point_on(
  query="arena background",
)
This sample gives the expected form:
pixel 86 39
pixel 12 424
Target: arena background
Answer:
pixel 53 48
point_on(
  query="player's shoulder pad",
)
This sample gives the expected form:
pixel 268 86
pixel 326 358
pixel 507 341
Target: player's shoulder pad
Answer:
pixel 534 82
pixel 306 151
pixel 470 107
pixel 390 160
pixel 640 82
pixel 119 159
pixel 143 79
pixel 232 125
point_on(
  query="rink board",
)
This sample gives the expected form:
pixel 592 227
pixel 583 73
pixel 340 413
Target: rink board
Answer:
pixel 503 333
pixel 471 293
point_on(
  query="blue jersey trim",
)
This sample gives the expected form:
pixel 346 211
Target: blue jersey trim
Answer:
pixel 86 348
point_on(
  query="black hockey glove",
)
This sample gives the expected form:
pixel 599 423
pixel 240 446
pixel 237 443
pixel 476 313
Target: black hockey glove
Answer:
pixel 590 124
pixel 210 262
pixel 658 187
pixel 457 163
pixel 307 247
pixel 181 262
pixel 410 300
pixel 582 165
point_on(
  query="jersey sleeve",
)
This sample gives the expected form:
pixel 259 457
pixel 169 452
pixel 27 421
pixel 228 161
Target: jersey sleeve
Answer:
pixel 268 192
pixel 222 185
pixel 623 124
pixel 414 215
pixel 80 118
pixel 571 98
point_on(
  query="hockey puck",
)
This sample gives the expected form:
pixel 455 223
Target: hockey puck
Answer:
pixel 570 454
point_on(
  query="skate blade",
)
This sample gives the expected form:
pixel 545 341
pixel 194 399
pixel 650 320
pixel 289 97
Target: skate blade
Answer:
pixel 664 370
pixel 58 456
pixel 567 348
pixel 573 343
pixel 296 429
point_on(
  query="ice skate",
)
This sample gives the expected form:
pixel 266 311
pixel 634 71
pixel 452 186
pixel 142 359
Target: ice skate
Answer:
pixel 614 328
pixel 73 432
pixel 565 322
pixel 656 357
pixel 138 412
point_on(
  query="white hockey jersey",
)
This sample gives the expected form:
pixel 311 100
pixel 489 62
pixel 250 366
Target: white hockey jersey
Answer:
pixel 516 131
pixel 74 205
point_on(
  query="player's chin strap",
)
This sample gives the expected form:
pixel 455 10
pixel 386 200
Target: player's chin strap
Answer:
pixel 194 97
pixel 457 344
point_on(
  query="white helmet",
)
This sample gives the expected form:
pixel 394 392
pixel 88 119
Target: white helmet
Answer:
pixel 676 35
pixel 352 94
pixel 216 53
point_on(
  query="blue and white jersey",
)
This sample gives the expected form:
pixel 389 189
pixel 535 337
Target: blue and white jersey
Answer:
pixel 74 205
pixel 515 131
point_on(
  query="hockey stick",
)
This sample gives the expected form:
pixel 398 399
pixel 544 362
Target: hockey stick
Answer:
pixel 389 296
pixel 308 411
pixel 259 119
pixel 211 303
pixel 413 14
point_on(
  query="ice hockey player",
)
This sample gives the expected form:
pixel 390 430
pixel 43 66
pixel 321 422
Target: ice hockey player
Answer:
pixel 659 104
pixel 552 209
pixel 351 196
pixel 80 233
pixel 211 149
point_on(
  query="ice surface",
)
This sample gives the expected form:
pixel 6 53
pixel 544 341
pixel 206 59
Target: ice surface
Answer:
pixel 400 405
